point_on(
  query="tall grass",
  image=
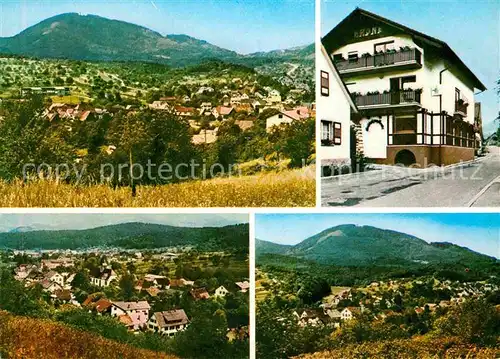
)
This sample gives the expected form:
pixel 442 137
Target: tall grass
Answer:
pixel 293 188
pixel 22 338
pixel 421 348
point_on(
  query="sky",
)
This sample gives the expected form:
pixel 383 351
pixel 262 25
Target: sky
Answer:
pixel 477 231
pixel 470 27
pixel 91 220
pixel 244 26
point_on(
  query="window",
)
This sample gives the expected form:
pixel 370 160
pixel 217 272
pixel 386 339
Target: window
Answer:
pixel 338 57
pixel 457 94
pixel 326 130
pixel 352 56
pixel 399 82
pixel 331 133
pixel 337 133
pixel 325 83
pixel 408 79
pixel 384 46
pixel 280 115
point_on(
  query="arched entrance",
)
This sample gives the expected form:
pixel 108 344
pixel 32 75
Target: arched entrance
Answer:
pixel 405 158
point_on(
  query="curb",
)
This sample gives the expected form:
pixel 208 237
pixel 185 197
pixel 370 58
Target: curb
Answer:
pixel 421 170
pixel 482 191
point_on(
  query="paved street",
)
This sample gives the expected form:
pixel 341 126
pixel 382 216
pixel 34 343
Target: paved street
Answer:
pixel 474 184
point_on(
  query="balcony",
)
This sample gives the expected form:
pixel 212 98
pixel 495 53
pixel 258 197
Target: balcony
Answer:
pixel 402 59
pixel 388 99
pixel 461 108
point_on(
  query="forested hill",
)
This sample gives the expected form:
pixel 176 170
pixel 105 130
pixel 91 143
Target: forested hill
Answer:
pixel 352 245
pixel 132 235
pixel 94 38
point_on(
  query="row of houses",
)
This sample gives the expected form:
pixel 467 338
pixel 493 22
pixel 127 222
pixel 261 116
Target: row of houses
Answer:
pixel 330 317
pixel 136 315
pixel 394 95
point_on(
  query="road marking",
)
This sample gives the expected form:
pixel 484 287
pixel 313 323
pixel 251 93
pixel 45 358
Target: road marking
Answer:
pixel 485 188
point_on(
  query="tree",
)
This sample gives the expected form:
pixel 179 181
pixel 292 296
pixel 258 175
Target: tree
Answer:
pixel 475 321
pixel 280 336
pixel 81 281
pixel 127 285
pixel 29 139
pixel 205 337
pixel 227 144
pixel 295 140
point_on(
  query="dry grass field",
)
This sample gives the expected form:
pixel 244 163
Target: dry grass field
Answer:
pixel 22 338
pixel 291 188
pixel 419 348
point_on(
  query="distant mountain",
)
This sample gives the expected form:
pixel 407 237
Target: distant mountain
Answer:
pixel 299 52
pixel 270 247
pixel 352 245
pixel 131 235
pixel 22 229
pixel 94 38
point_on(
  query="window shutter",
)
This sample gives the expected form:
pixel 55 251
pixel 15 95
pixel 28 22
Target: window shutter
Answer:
pixel 325 83
pixel 337 133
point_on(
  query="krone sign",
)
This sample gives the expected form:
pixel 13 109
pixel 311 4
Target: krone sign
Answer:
pixel 367 32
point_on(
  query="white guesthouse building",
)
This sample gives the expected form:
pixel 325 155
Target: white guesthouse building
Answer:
pixel 414 95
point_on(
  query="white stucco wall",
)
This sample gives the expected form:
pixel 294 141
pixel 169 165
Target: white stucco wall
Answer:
pixel 375 139
pixel 276 120
pixel 334 108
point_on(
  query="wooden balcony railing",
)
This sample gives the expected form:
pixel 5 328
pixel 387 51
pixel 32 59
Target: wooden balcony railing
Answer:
pixel 380 60
pixel 388 98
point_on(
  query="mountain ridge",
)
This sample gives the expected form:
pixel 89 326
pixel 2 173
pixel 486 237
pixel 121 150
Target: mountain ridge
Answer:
pixel 96 38
pixel 353 245
pixel 131 235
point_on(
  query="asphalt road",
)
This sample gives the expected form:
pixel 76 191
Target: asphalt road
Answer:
pixel 474 184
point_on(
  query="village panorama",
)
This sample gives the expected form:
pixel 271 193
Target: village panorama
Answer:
pixel 178 114
pixel 125 290
pixel 356 289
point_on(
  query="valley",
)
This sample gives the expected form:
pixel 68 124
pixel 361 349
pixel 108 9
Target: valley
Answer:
pixel 354 289
pixel 189 109
pixel 139 289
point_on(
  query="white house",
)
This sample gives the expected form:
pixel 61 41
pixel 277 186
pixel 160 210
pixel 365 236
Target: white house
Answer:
pixel 122 308
pixel 103 278
pixel 221 292
pixel 349 313
pixel 168 322
pixel 415 96
pixel 334 104
pixel 311 317
pixel 55 277
pixel 285 117
pixel 49 286
pixel 273 96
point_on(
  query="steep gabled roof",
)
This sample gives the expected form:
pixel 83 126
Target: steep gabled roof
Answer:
pixel 332 41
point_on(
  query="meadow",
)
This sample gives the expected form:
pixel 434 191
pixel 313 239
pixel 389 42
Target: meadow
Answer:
pixel 22 337
pixel 289 188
